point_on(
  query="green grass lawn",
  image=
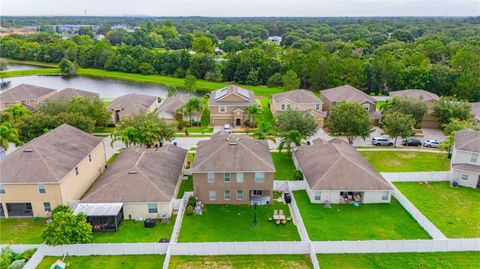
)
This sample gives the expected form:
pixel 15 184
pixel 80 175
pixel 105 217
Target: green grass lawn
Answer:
pixel 30 72
pixel 32 63
pixel 227 223
pixel 103 129
pixel 242 261
pixel 133 231
pixel 283 165
pixel 21 231
pixel 110 262
pixel 455 211
pixel 366 222
pixel 435 260
pixel 266 114
pixel 112 158
pixel 186 185
pixel 407 161
pixel 197 130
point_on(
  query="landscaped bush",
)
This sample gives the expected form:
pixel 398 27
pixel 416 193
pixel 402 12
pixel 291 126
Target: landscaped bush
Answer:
pixel 298 175
pixel 11 260
pixel 18 264
pixel 190 210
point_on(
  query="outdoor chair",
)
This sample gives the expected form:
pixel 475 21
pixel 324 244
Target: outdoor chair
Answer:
pixel 281 211
pixel 275 212
pixel 284 221
pixel 277 221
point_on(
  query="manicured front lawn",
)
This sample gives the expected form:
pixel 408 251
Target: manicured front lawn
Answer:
pixel 227 223
pixel 110 262
pixel 455 211
pixel 186 185
pixel 366 222
pixel 21 231
pixel 242 261
pixel 133 231
pixel 283 165
pixel 435 260
pixel 407 161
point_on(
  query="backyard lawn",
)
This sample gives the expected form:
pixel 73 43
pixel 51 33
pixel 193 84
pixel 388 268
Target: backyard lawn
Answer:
pixel 133 231
pixel 435 260
pixel 186 185
pixel 226 223
pixel 21 231
pixel 407 161
pixel 110 262
pixel 242 261
pixel 266 114
pixel 455 211
pixel 283 165
pixel 366 222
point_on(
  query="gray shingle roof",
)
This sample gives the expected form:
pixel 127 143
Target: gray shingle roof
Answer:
pixel 48 158
pixel 68 94
pixel 337 165
pixel 475 110
pixel 167 109
pixel 139 175
pixel 232 153
pixel 298 96
pixel 466 167
pixel 246 97
pixel 23 92
pixel 415 94
pixel 132 103
pixel 468 140
pixel 347 93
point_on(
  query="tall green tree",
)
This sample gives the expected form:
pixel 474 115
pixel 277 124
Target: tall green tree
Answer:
pixel 291 80
pixel 397 124
pixel 253 111
pixel 190 83
pixel 67 228
pixel 67 67
pixel 17 112
pixel 300 121
pixel 288 138
pixel 449 108
pixel 416 108
pixel 203 44
pixel 8 134
pixel 349 120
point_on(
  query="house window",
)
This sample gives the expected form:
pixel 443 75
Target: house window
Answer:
pixel 239 177
pixel 227 195
pixel 47 207
pixel 288 107
pixel 366 107
pixel 256 192
pixel 259 176
pixel 226 177
pixel 317 106
pixel 222 109
pixel 212 195
pixel 76 171
pixel 211 177
pixel 239 194
pixel 152 208
pixel 2 189
pixel 90 157
pixel 41 188
pixel 318 196
pixel 283 107
pixel 385 196
pixel 474 158
pixel 297 107
pixel 464 177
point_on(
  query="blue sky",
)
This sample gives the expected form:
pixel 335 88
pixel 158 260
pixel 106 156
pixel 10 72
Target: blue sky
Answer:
pixel 242 8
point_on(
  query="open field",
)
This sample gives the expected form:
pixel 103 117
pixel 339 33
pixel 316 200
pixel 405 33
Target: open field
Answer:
pixel 110 262
pixel 455 211
pixel 435 260
pixel 242 261
pixel 227 223
pixel 406 161
pixel 366 222
pixel 283 165
pixel 21 231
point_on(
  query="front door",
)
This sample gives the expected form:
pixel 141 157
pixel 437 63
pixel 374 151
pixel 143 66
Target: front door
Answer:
pixel 238 122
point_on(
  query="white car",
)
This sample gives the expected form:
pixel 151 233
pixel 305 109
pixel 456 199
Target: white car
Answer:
pixel 227 128
pixel 382 141
pixel 431 143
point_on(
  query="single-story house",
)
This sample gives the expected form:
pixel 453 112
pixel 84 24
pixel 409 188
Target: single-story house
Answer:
pixel 169 107
pixel 130 104
pixel 68 94
pixel 465 161
pixel 27 95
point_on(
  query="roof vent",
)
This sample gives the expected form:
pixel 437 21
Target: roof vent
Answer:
pixel 133 172
pixel 27 150
pixel 232 143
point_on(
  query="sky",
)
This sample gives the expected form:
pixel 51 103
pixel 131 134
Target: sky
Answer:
pixel 241 8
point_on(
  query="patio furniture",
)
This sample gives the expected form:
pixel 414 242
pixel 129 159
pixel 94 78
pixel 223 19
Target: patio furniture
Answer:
pixel 281 212
pixel 270 219
pixel 289 218
pixel 275 212
pixel 284 221
pixel 277 221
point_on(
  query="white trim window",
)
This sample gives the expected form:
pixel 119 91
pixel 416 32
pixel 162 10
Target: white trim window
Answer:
pixel 226 177
pixel 227 195
pixel 212 195
pixel 239 194
pixel 366 107
pixel 318 196
pixel 152 208
pixel 239 177
pixel 47 207
pixel 41 188
pixel 317 107
pixel 2 189
pixel 385 196
pixel 288 106
pixel 222 109
pixel 474 157
pixel 464 177
pixel 259 177
pixel 211 177
pixel 282 107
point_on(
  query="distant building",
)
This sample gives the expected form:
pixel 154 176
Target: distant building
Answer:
pixel 130 104
pixel 27 95
pixel 277 39
pixel 120 27
pixel 228 105
pixel 169 107
pixel 68 94
pixel 430 99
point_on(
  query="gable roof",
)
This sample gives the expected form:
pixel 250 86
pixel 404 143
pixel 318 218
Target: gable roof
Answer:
pixel 225 152
pixel 347 93
pixel 468 140
pixel 24 92
pixel 415 94
pixel 299 96
pixel 48 158
pixel 139 175
pixel 68 94
pixel 132 103
pixel 245 97
pixel 337 165
pixel 167 109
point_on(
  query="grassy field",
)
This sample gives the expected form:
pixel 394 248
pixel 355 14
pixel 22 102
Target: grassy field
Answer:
pixel 435 260
pixel 21 231
pixel 110 262
pixel 133 231
pixel 242 261
pixel 283 165
pixel 32 63
pixel 186 185
pixel 366 222
pixel 406 161
pixel 30 72
pixel 455 211
pixel 226 223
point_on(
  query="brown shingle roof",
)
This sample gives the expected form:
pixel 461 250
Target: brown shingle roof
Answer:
pixel 337 165
pixel 167 109
pixel 297 96
pixel 347 93
pixel 68 94
pixel 132 103
pixel 24 92
pixel 232 153
pixel 48 158
pixel 139 175
pixel 415 94
pixel 468 140
pixel 246 97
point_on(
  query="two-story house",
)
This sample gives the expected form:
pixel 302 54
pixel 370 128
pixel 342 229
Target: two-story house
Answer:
pixel 465 162
pixel 346 93
pixel 228 105
pixel 50 170
pixel 430 99
pixel 231 169
pixel 301 100
pixel 27 95
pixel 130 104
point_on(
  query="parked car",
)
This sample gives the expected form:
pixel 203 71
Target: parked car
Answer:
pixel 412 142
pixel 382 141
pixel 431 143
pixel 227 128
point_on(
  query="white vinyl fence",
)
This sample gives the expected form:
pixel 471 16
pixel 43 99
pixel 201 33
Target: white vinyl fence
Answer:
pixel 240 248
pixel 297 217
pixel 295 185
pixel 20 248
pixel 416 176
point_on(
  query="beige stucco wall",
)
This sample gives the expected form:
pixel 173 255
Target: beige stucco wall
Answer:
pixel 139 211
pixel 277 108
pixel 333 196
pixel 471 182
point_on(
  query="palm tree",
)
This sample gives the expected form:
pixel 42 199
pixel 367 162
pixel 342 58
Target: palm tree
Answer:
pixel 8 135
pixel 193 105
pixel 252 110
pixel 289 138
pixel 129 135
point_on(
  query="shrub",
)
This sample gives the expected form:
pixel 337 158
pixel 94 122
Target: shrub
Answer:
pixel 298 175
pixel 18 264
pixel 6 257
pixel 191 201
pixel 27 254
pixel 189 210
